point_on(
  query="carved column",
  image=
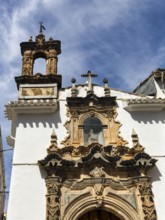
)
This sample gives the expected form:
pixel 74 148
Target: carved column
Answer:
pixel 51 67
pixel 27 63
pixel 52 198
pixel 145 190
pixel 74 128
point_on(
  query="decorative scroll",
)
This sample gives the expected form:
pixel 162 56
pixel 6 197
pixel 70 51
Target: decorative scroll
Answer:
pixel 53 201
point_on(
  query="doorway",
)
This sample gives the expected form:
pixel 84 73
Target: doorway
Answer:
pixel 98 215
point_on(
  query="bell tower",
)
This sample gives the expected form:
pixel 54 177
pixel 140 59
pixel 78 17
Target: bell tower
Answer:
pixel 40 48
pixel 36 85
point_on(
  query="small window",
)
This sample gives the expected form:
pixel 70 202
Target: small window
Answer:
pixel 93 131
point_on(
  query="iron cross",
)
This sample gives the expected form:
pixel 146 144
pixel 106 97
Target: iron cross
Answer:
pixel 89 75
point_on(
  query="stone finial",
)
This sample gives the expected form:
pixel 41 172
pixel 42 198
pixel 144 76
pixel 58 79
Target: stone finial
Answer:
pixel 106 88
pixel 51 39
pixel 73 90
pixel 53 146
pixel 135 141
pixel 31 39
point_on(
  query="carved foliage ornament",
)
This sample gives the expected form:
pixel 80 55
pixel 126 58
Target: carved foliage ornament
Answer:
pixel 53 199
pixel 147 201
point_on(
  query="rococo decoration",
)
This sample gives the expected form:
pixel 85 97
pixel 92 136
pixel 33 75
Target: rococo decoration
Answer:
pixel 100 175
pixel 95 170
pixel 92 119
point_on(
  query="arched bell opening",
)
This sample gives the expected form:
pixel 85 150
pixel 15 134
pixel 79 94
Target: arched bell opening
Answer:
pixel 39 63
pixel 39 66
pixel 99 214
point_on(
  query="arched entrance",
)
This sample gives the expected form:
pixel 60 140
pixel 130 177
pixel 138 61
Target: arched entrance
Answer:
pixel 98 215
pixel 119 208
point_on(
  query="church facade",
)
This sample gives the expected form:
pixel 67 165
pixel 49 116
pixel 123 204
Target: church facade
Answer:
pixel 87 151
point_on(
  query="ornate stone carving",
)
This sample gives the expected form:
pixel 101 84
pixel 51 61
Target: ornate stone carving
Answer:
pixel 101 170
pixel 38 79
pixel 39 91
pixel 106 88
pixel 40 39
pixel 135 141
pixel 123 158
pixel 104 109
pixel 73 90
pixel 97 172
pixel 147 201
pixel 53 198
pixel 53 147
pixel 146 195
pixel 40 48
pixel 98 188
pixel 99 202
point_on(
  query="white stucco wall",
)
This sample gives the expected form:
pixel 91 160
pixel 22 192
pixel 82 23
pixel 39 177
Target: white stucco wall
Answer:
pixel 150 127
pixel 27 197
pixel 27 194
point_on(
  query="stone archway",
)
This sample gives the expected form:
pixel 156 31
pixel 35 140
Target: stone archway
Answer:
pixel 114 204
pixel 98 214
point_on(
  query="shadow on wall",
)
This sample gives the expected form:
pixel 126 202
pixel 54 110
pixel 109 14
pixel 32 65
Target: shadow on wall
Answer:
pixel 46 120
pixel 155 174
pixel 42 172
pixel 149 117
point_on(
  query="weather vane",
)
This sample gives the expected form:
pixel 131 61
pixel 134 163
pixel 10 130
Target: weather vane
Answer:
pixel 41 27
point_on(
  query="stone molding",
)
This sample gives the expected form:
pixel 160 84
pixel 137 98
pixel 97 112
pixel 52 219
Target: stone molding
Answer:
pixel 147 104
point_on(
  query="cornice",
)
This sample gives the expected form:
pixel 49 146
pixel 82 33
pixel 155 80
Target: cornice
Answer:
pixel 151 105
pixel 36 106
pixel 31 106
pixel 39 79
pixel 46 45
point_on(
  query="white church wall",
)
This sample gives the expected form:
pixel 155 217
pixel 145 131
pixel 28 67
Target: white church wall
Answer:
pixel 150 128
pixel 34 132
pixel 27 197
pixel 158 186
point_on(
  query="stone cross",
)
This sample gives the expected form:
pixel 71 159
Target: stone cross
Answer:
pixel 89 75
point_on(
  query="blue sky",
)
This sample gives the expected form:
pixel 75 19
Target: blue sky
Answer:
pixel 123 40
